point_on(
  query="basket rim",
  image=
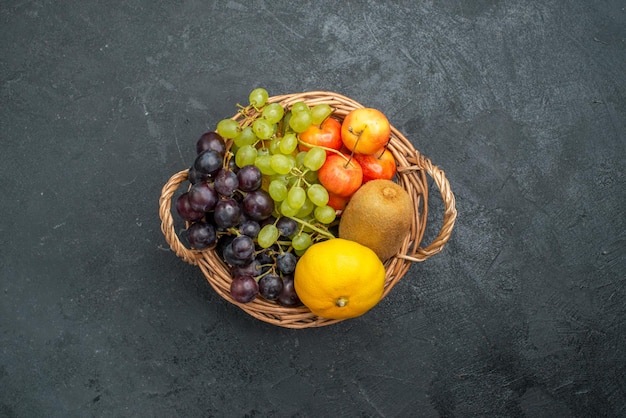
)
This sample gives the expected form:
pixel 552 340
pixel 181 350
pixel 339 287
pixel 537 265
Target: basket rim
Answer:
pixel 412 172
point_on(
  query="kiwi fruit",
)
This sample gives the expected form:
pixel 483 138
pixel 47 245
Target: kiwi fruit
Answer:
pixel 379 216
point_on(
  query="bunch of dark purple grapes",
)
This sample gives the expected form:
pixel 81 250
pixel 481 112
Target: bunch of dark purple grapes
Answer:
pixel 225 208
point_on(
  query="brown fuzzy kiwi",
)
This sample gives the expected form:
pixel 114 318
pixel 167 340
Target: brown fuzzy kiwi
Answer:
pixel 379 216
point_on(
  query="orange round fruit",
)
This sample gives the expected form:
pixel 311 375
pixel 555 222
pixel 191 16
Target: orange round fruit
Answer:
pixel 365 130
pixel 339 279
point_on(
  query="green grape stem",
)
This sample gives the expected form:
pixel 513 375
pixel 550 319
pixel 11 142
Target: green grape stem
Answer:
pixel 231 231
pixel 270 270
pixel 320 231
pixel 301 177
pixel 226 161
pixel 249 116
pixel 341 154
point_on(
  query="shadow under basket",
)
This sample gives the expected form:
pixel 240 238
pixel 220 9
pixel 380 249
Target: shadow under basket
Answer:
pixel 412 174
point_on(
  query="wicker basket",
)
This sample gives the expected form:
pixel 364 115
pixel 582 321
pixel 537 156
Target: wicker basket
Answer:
pixel 412 172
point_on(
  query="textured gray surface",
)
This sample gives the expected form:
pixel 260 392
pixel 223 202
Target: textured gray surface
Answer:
pixel 521 103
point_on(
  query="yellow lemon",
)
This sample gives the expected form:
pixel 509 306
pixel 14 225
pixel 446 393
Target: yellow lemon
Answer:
pixel 339 279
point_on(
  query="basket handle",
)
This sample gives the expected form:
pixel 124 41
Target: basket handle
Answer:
pixel 449 215
pixel 167 221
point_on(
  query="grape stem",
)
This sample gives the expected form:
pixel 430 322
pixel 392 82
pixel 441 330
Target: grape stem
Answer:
pixel 260 276
pixel 341 154
pixel 313 227
pixel 227 158
pixel 245 112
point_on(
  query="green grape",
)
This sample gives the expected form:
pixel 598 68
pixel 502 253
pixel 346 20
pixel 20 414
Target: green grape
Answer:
pixel 296 197
pixel 245 155
pixel 267 236
pixel 280 163
pixel 300 158
pixel 245 137
pixel 306 209
pixel 292 160
pixel 277 190
pixel 258 97
pixel 317 194
pixel 320 112
pixel 285 122
pixel 300 121
pixel 325 214
pixel 311 177
pixel 274 146
pixel 263 129
pixel 273 112
pixel 314 158
pixel 279 177
pixel 263 150
pixel 301 241
pixel 300 107
pixel 287 210
pixel 263 163
pixel 228 128
pixel 292 180
pixel 288 143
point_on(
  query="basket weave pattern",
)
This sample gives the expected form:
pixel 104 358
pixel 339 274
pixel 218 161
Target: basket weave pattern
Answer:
pixel 413 169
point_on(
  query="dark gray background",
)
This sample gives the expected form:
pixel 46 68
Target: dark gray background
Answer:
pixel 522 104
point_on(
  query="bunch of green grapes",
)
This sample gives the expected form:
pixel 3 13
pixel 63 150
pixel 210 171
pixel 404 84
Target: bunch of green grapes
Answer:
pixel 267 138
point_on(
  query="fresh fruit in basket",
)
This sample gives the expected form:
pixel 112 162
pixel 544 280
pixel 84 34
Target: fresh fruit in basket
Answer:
pixel 261 145
pixel 379 216
pixel 339 279
pixel 271 214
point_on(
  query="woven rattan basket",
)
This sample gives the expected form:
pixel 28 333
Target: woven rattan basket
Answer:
pixel 413 172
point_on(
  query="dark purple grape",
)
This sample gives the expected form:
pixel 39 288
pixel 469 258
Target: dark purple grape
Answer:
pixel 249 228
pixel 201 235
pixel 265 259
pixel 202 197
pixel 286 226
pixel 226 182
pixel 222 242
pixel 270 286
pixel 244 289
pixel 243 247
pixel 286 263
pixel 232 259
pixel 184 209
pixel 208 163
pixel 250 178
pixel 211 140
pixel 227 213
pixel 288 296
pixel 252 269
pixel 195 177
pixel 258 205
